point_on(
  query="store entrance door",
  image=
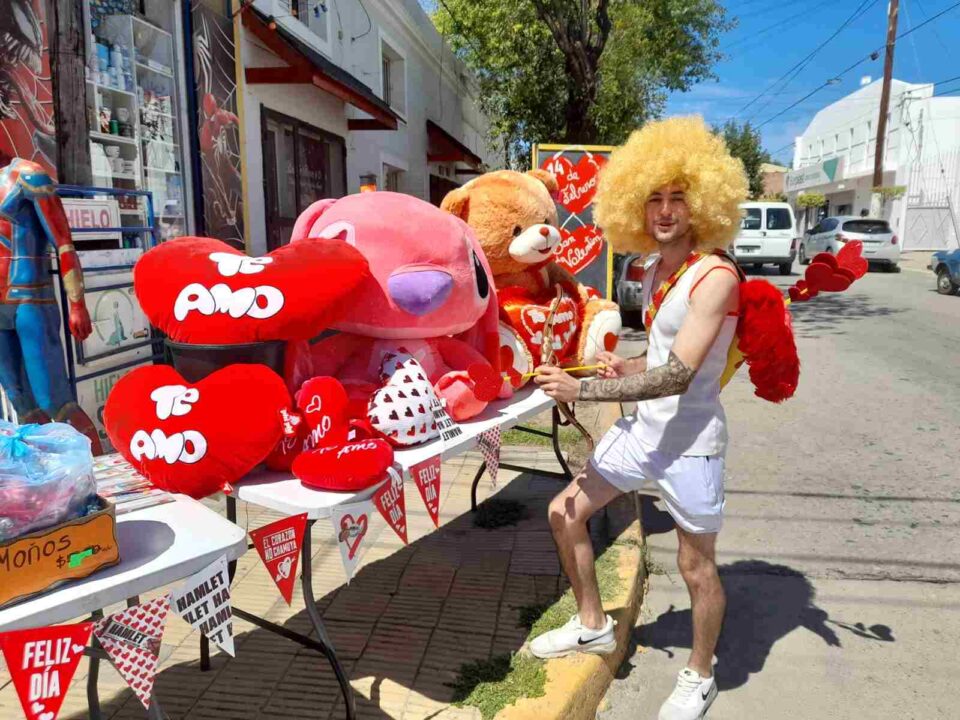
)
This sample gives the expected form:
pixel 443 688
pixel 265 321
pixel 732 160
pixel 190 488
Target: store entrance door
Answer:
pixel 301 164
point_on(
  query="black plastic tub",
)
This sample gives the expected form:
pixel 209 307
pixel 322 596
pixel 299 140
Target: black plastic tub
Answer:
pixel 195 362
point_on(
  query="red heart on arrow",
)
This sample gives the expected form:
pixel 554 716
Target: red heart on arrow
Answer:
pixel 486 382
pixel 801 292
pixel 822 277
pixel 352 532
pixel 851 258
pixel 578 249
pixel 344 468
pixel 200 290
pixel 198 438
pixel 578 183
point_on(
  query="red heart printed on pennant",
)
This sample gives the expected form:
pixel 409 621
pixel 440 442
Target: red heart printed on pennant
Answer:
pixel 578 183
pixel 196 439
pixel 352 532
pixel 851 258
pixel 201 290
pixel 345 468
pixel 578 249
pixel 324 405
pixel 486 382
pixel 822 277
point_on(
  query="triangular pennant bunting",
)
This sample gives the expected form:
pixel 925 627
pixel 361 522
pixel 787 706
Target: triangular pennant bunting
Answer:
pixel 445 424
pixel 352 526
pixel 427 477
pixel 390 502
pixel 132 639
pixel 279 546
pixel 489 442
pixel 203 600
pixel 42 662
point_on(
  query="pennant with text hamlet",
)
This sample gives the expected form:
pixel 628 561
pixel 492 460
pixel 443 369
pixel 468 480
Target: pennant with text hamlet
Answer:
pixel 42 662
pixel 132 639
pixel 390 501
pixel 203 600
pixel 352 526
pixel 279 546
pixel 489 443
pixel 426 475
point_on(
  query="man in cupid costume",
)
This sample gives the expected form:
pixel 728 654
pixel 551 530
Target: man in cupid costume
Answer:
pixel 674 190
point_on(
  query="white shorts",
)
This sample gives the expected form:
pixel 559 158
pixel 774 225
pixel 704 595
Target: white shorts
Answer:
pixel 691 485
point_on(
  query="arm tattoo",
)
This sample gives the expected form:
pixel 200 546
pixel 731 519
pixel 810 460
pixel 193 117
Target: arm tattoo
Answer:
pixel 671 379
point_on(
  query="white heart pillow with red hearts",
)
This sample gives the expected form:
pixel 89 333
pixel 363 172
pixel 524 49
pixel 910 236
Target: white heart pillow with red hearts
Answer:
pixel 201 290
pixel 196 438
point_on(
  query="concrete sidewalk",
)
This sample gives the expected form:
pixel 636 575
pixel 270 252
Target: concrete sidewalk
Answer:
pixel 403 627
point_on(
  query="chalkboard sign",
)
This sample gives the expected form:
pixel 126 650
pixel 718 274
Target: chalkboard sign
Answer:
pixel 582 250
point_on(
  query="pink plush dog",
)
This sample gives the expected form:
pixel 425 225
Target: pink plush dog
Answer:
pixel 429 281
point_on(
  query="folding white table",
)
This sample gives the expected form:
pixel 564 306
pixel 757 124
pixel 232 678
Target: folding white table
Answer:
pixel 158 545
pixel 283 493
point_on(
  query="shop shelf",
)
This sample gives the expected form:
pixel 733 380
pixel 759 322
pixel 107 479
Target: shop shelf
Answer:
pixel 107 137
pixel 110 88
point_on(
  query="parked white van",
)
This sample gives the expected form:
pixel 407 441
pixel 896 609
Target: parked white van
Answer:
pixel 768 235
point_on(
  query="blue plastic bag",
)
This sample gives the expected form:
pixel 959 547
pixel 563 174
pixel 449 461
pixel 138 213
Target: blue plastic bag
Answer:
pixel 46 477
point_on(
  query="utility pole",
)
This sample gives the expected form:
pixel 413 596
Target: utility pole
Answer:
pixel 876 201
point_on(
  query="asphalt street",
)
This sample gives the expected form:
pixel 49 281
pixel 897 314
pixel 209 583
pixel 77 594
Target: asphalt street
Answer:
pixel 840 552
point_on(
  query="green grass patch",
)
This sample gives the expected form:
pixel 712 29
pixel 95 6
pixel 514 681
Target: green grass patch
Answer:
pixel 496 513
pixel 491 685
pixel 568 435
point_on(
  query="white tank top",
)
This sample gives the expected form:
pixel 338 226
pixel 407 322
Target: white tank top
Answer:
pixel 693 423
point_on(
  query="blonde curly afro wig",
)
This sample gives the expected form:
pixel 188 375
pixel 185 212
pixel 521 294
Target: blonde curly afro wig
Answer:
pixel 679 150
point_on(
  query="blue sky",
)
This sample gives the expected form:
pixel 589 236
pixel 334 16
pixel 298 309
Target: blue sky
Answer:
pixel 772 36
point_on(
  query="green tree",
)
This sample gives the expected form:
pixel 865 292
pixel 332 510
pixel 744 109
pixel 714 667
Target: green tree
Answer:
pixel 580 71
pixel 743 141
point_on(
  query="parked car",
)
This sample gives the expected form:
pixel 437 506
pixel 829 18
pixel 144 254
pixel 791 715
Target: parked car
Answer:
pixel 880 244
pixel 946 266
pixel 629 289
pixel 768 235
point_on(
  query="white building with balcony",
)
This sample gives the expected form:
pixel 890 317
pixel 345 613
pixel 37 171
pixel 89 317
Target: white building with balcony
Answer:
pixel 836 153
pixel 343 93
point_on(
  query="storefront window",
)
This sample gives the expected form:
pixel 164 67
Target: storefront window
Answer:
pixel 134 89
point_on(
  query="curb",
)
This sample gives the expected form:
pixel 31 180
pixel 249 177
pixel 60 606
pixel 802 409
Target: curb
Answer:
pixel 576 684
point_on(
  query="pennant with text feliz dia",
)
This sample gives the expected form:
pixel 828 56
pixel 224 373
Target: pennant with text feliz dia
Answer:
pixel 203 600
pixel 279 546
pixel 352 527
pixel 390 502
pixel 132 639
pixel 426 475
pixel 489 442
pixel 42 662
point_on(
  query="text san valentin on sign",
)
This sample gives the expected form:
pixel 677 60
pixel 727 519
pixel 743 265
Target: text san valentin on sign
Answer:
pixel 42 662
pixel 578 249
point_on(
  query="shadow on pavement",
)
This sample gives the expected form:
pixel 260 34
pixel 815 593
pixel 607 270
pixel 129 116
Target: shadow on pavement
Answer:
pixel 826 312
pixel 765 602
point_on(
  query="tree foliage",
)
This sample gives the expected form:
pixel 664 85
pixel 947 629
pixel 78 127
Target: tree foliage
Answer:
pixel 811 199
pixel 743 141
pixel 580 71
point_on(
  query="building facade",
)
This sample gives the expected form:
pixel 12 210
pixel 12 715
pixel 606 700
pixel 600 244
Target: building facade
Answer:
pixel 836 153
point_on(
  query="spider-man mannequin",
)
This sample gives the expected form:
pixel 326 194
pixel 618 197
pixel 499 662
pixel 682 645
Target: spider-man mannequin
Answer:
pixel 32 369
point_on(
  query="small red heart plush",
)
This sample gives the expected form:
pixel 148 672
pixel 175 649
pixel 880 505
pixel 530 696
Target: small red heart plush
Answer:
pixel 851 258
pixel 344 468
pixel 822 277
pixel 196 439
pixel 200 290
pixel 324 405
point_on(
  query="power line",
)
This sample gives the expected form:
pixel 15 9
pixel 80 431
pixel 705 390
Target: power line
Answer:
pixel 798 67
pixel 759 33
pixel 871 56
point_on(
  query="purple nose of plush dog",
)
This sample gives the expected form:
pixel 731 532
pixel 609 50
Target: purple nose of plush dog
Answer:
pixel 420 291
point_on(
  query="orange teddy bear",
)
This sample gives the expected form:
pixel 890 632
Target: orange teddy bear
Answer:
pixel 515 219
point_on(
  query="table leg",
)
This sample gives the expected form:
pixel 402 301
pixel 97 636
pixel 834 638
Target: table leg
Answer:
pixel 476 483
pixel 326 647
pixel 93 672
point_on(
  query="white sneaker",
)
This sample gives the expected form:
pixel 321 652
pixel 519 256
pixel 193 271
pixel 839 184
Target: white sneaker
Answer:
pixel 691 698
pixel 574 637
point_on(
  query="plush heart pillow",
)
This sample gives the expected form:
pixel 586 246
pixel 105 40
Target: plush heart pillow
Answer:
pixel 196 439
pixel 350 467
pixel 200 290
pixel 402 409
